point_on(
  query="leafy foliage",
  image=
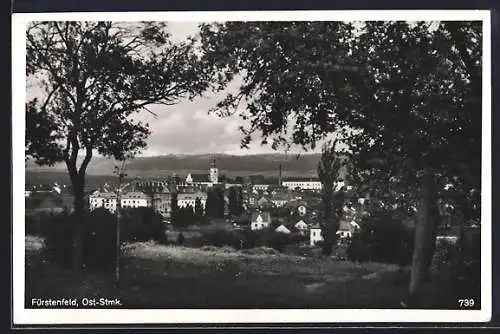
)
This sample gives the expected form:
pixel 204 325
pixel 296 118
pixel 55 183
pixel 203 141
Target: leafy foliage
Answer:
pixel 329 168
pixel 99 251
pixel 382 238
pixel 142 224
pixel 235 201
pixel 214 206
pixel 404 96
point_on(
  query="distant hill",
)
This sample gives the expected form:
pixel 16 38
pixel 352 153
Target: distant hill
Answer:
pixel 230 165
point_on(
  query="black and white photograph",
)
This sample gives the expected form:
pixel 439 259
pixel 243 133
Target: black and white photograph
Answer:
pixel 252 167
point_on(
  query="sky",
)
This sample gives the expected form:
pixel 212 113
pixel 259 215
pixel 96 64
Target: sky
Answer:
pixel 187 128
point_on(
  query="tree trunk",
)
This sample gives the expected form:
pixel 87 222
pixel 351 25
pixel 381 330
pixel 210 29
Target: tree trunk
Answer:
pixel 330 235
pixel 425 235
pixel 78 223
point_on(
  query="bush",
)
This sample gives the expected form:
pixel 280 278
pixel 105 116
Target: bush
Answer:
pixel 99 243
pixel 221 237
pixel 180 239
pixel 382 239
pixel 57 232
pixel 99 235
pixel 142 224
pixel 278 241
pixel 99 239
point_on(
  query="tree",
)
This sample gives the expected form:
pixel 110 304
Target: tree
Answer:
pixel 427 123
pixel 235 201
pixel 214 206
pixel 174 208
pixel 405 97
pixel 198 209
pixel 329 168
pixel 210 204
pixel 92 77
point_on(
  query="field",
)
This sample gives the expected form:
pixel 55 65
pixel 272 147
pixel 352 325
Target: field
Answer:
pixel 156 276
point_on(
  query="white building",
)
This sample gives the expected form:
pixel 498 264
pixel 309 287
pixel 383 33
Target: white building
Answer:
pixel 282 229
pixel 135 199
pixel 313 184
pixel 301 226
pixel 106 200
pixel 260 220
pixel 280 200
pixel 315 235
pixel 260 187
pixel 303 184
pixel 189 199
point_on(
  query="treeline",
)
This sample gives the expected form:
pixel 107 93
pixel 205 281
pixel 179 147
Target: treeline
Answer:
pixel 99 235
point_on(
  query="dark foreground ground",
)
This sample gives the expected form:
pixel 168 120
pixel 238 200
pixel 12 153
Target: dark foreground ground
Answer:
pixel 155 276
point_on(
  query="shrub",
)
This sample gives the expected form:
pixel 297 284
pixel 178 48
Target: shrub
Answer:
pixel 278 240
pixel 99 239
pixel 142 224
pixel 34 224
pixel 180 238
pixel 57 232
pixel 99 243
pixel 382 239
pixel 221 237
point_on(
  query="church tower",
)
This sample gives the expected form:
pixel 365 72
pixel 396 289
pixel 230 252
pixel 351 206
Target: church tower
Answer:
pixel 214 172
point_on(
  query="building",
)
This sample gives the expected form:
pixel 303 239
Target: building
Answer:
pixel 106 200
pixel 315 235
pixel 204 180
pixel 189 199
pixel 214 172
pixel 280 199
pixel 260 187
pixel 162 203
pixel 282 229
pixel 198 180
pixel 302 183
pixel 312 184
pixel 264 201
pixel 302 227
pixel 135 199
pixel 260 220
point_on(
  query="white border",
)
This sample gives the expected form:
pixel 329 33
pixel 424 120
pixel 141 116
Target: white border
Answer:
pixel 22 316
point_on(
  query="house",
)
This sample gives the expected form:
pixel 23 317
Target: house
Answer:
pixel 260 187
pixel 302 227
pixel 302 183
pixel 264 201
pixel 189 199
pixel 107 200
pixel 260 220
pixel 315 235
pixel 242 222
pixel 297 206
pixel 135 199
pixel 198 180
pixel 347 228
pixel 282 229
pixel 280 199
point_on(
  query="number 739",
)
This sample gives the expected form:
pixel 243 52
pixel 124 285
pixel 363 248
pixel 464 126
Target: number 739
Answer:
pixel 466 302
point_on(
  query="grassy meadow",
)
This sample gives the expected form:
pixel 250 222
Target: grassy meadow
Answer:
pixel 159 276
